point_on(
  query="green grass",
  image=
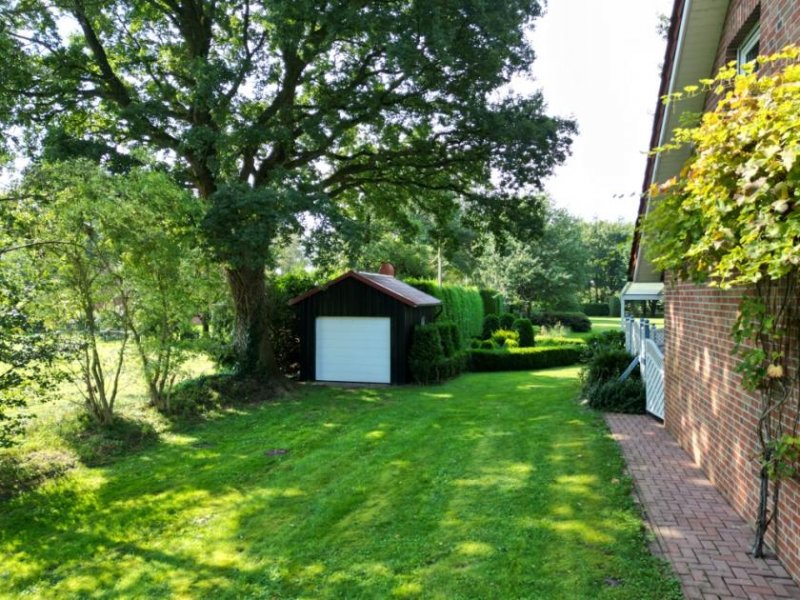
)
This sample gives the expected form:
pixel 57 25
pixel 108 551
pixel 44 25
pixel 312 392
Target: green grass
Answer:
pixel 491 486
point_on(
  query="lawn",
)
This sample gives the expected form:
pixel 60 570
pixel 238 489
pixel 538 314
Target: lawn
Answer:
pixel 491 486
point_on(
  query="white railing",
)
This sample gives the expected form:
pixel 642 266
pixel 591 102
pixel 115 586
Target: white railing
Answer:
pixel 647 342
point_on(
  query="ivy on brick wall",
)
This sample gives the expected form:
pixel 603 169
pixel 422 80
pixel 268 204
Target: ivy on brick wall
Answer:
pixel 732 219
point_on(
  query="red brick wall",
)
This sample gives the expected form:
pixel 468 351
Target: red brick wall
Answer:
pixel 706 409
pixel 710 414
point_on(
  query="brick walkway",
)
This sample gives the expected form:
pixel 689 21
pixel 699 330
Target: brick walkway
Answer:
pixel 696 530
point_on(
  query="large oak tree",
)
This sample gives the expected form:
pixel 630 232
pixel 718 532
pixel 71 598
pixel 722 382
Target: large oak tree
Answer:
pixel 274 110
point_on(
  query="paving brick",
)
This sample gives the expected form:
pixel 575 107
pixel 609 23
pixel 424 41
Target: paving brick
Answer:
pixel 695 529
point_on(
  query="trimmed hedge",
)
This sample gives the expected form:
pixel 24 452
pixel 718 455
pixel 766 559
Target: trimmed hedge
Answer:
pixel 595 309
pixel 618 396
pixel 491 323
pixel 524 328
pixel 461 305
pixel 493 302
pixel 560 341
pixel 577 322
pixel 524 359
pixel 434 354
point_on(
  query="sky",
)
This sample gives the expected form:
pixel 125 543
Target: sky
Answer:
pixel 598 61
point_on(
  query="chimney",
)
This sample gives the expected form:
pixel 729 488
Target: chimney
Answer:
pixel 387 268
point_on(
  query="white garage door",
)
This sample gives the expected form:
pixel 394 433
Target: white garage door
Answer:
pixel 354 349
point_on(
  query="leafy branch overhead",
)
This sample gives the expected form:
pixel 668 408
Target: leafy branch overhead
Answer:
pixel 328 99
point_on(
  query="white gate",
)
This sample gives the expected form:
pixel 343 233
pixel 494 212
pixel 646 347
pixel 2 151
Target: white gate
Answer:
pixel 647 342
pixel 653 375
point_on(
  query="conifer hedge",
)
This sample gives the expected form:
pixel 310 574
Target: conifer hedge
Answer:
pixel 460 304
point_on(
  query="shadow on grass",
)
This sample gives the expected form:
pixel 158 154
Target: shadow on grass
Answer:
pixel 377 494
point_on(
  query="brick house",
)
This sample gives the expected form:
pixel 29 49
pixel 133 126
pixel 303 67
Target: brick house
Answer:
pixel 707 411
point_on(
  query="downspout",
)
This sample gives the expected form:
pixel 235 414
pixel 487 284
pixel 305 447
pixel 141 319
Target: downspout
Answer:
pixel 687 7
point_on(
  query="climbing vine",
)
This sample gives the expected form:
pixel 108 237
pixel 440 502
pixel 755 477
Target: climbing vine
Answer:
pixel 732 219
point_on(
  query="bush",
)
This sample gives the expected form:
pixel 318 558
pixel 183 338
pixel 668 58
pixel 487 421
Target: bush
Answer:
pixel 524 329
pixel 501 336
pixel 426 353
pixel 493 302
pixel 618 396
pixel 577 322
pixel 561 341
pixel 488 345
pixel 607 364
pixel 461 305
pixel 491 323
pixel 524 359
pixel 614 306
pixel 434 354
pixel 507 320
pixel 607 340
pixel 596 309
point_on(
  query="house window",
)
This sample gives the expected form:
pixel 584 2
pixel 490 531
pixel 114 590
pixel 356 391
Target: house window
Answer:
pixel 748 50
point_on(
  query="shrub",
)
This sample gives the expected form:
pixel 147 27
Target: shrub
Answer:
pixel 501 336
pixel 577 322
pixel 595 309
pixel 507 320
pixel 618 396
pixel 426 353
pixel 475 343
pixel 614 306
pixel 524 359
pixel 607 340
pixel 451 330
pixel 493 302
pixel 488 345
pixel 446 338
pixel 435 354
pixel 561 341
pixel 555 331
pixel 491 323
pixel 524 329
pixel 607 364
pixel 461 305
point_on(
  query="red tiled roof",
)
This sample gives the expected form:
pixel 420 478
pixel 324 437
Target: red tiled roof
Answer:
pixel 402 292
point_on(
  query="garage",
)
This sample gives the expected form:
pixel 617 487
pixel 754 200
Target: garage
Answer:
pixel 357 328
pixel 354 349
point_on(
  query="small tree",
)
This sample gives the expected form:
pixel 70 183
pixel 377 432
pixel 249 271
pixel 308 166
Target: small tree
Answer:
pixel 28 351
pixel 732 218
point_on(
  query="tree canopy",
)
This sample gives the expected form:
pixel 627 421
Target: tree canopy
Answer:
pixel 275 110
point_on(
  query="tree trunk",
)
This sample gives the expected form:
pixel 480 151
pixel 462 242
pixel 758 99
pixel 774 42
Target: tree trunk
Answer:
pixel 251 337
pixel 762 519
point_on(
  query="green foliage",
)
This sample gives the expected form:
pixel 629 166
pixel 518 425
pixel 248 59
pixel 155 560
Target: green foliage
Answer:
pixel 548 272
pixel 274 112
pixel 460 305
pixel 524 329
pixel 606 364
pixel 487 345
pixel 433 356
pixel 501 336
pixel 118 253
pixel 283 318
pixel 524 359
pixel 577 322
pixel 491 323
pixel 608 247
pixel 493 302
pixel 606 340
pixel 507 320
pixel 28 351
pixel 595 309
pixel 618 396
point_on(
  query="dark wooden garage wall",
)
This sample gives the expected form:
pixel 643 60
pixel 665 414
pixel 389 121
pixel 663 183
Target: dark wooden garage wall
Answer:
pixel 351 298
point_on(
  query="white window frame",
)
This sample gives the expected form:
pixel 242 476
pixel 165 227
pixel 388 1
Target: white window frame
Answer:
pixel 750 40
